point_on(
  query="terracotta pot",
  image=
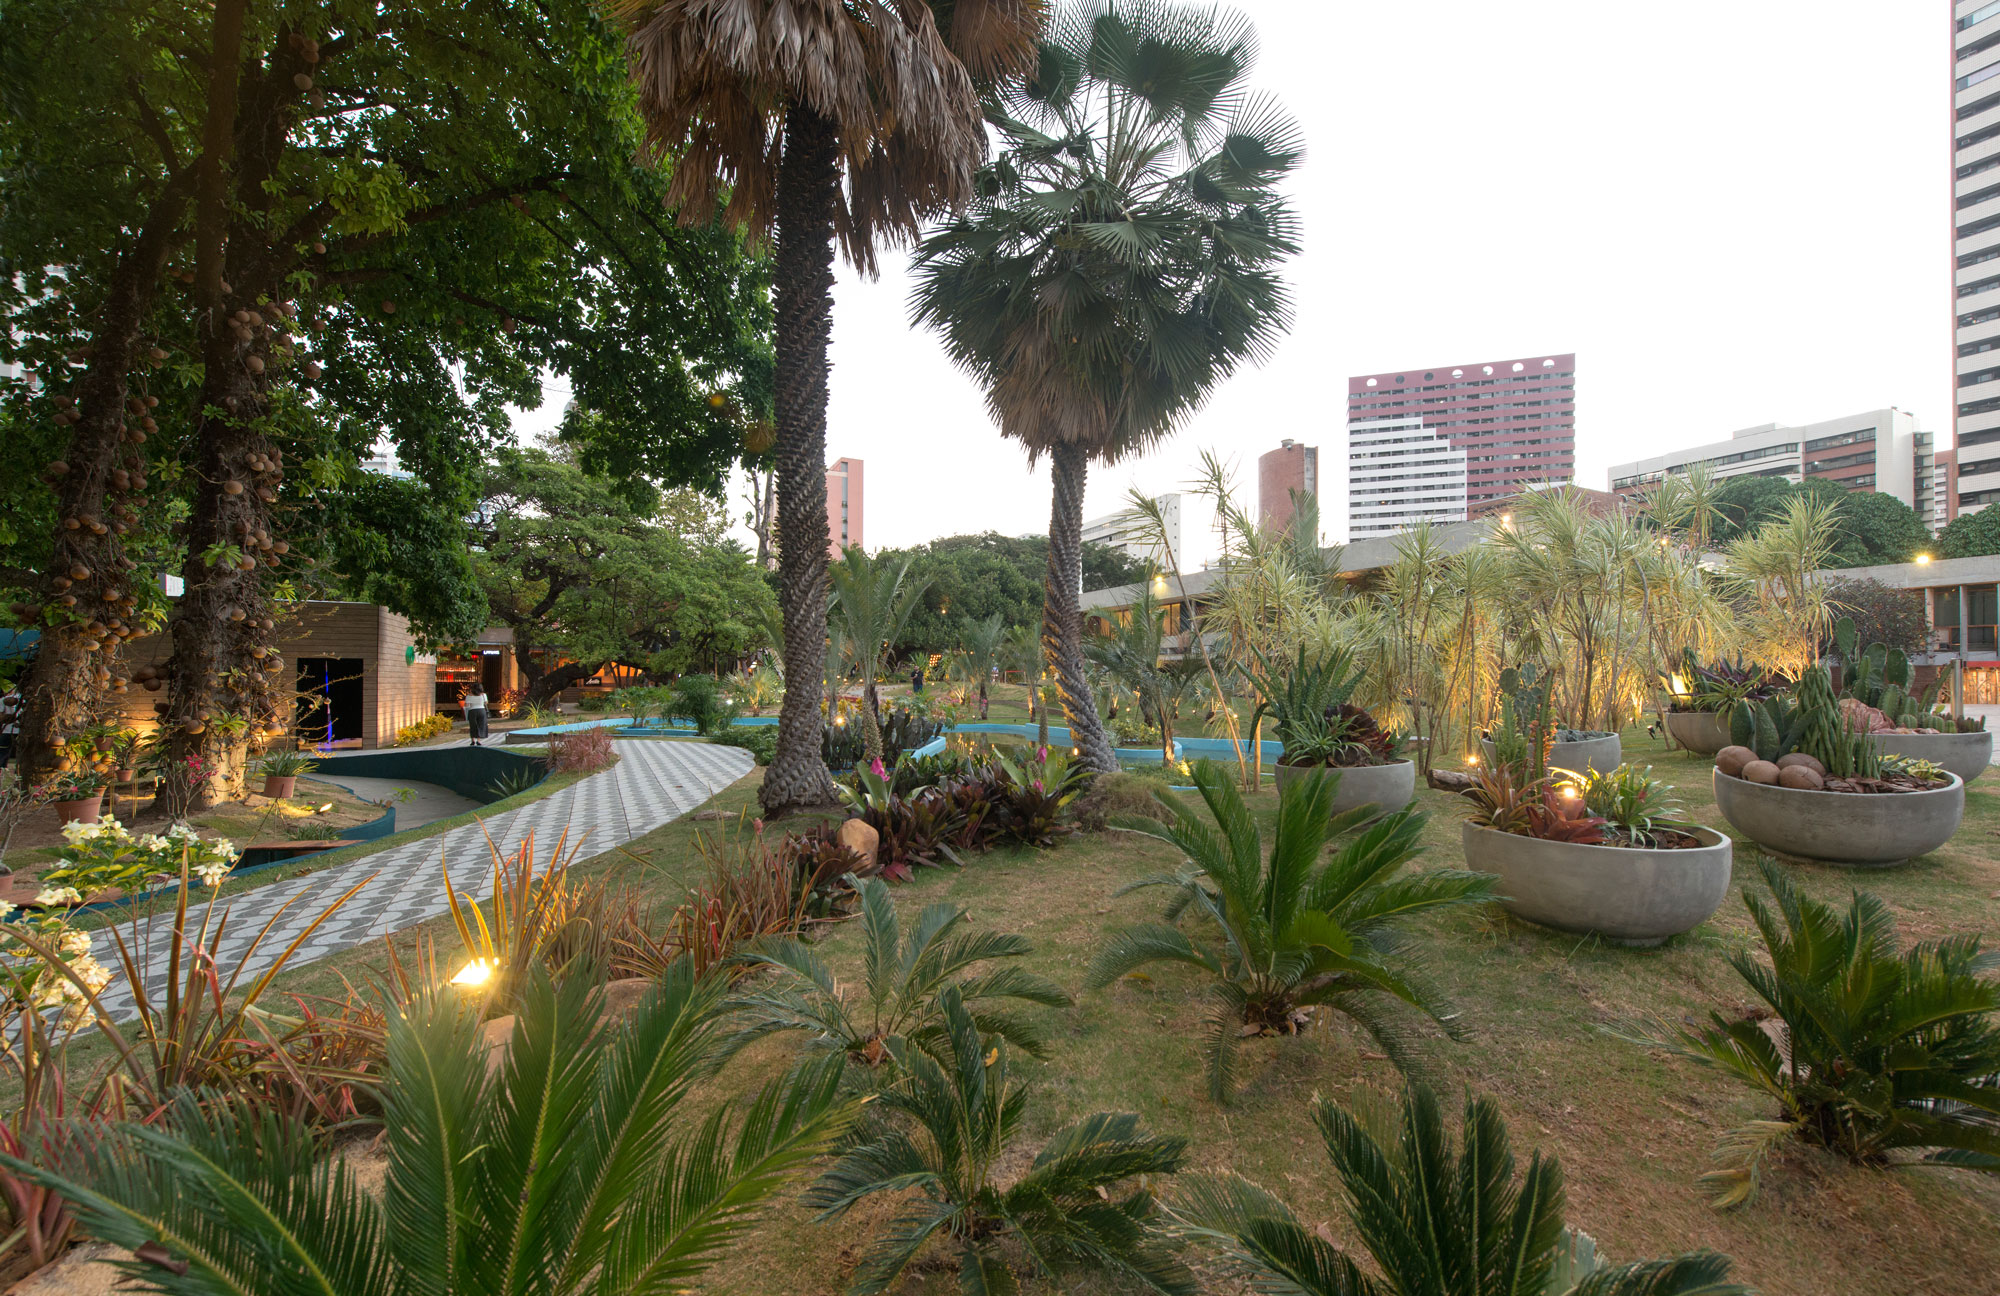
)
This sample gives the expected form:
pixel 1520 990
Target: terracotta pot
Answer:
pixel 86 810
pixel 128 774
pixel 279 786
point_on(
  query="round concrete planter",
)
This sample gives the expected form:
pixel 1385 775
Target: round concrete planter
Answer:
pixel 1601 754
pixel 1702 732
pixel 1858 829
pixel 1390 786
pixel 1967 755
pixel 1625 895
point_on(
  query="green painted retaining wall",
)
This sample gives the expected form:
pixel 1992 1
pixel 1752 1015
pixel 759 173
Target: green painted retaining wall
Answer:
pixel 468 771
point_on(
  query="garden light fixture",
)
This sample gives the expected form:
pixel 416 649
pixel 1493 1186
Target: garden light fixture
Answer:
pixel 475 974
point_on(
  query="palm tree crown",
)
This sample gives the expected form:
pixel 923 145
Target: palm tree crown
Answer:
pixel 873 600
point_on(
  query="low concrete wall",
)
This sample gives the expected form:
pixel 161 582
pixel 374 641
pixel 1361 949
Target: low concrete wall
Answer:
pixel 468 771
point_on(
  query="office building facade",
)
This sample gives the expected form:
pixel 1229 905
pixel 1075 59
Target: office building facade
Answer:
pixel 1514 419
pixel 1129 535
pixel 1876 450
pixel 1400 473
pixel 843 505
pixel 1291 467
pixel 1975 206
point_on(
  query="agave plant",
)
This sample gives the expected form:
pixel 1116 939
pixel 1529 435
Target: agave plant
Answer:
pixel 950 1121
pixel 571 1168
pixel 1877 1049
pixel 1438 1220
pixel 906 974
pixel 1289 932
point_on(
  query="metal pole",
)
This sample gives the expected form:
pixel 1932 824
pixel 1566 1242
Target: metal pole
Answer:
pixel 1958 667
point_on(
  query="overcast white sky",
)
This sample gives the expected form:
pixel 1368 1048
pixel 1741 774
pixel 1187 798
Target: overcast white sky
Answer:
pixel 1734 212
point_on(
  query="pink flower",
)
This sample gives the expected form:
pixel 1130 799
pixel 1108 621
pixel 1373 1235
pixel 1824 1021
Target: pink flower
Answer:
pixel 756 825
pixel 875 767
pixel 1041 753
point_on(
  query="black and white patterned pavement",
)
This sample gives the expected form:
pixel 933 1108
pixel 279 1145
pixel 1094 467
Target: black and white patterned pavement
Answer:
pixel 653 783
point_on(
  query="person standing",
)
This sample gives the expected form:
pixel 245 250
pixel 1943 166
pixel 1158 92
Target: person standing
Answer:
pixel 474 702
pixel 10 725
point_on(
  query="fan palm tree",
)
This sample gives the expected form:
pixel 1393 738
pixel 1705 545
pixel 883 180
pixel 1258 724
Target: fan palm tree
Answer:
pixel 1438 1220
pixel 1289 932
pixel 873 600
pixel 905 974
pixel 574 1168
pixel 981 644
pixel 952 1120
pixel 1119 262
pixel 833 120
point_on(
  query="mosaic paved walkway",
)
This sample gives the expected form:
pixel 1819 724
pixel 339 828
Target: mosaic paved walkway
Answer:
pixel 653 783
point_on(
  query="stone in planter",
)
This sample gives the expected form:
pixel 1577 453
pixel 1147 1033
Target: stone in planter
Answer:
pixel 1625 895
pixel 1390 786
pixel 1600 754
pixel 86 810
pixel 280 786
pixel 1702 732
pixel 1967 755
pixel 1858 829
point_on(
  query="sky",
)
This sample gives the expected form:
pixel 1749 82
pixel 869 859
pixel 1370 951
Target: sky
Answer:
pixel 1734 212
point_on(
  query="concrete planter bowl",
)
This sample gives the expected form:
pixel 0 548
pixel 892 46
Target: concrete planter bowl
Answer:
pixel 1857 829
pixel 1967 755
pixel 1622 894
pixel 1390 786
pixel 1702 732
pixel 1601 754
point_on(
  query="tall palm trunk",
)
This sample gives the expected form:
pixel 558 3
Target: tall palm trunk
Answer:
pixel 1062 613
pixel 807 194
pixel 871 720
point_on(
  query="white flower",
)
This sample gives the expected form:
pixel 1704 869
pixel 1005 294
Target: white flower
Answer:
pixel 62 895
pixel 228 851
pixel 182 831
pixel 92 973
pixel 7 908
pixel 74 944
pixel 155 844
pixel 212 872
pixel 78 831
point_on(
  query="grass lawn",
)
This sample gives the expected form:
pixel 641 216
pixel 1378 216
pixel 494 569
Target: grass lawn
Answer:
pixel 1633 1129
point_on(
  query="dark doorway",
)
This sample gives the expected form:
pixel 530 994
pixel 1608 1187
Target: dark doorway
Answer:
pixel 489 674
pixel 328 709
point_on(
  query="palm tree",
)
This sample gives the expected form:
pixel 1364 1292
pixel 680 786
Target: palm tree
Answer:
pixel 1119 262
pixel 575 1168
pixel 904 977
pixel 847 120
pixel 981 643
pixel 955 1117
pixel 1438 1220
pixel 873 600
pixel 1132 656
pixel 1291 933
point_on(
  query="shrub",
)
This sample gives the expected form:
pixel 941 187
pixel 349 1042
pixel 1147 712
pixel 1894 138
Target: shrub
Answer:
pixel 592 703
pixel 428 727
pixel 698 699
pixel 761 741
pixel 1881 613
pixel 581 751
pixel 903 730
pixel 1879 1049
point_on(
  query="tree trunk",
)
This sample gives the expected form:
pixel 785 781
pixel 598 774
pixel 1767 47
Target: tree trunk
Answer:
pixel 807 192
pixel 982 697
pixel 1062 614
pixel 871 721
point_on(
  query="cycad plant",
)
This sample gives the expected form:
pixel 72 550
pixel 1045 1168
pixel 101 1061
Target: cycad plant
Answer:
pixel 982 646
pixel 1081 1203
pixel 1287 932
pixel 571 1168
pixel 1438 1219
pixel 905 973
pixel 1877 1050
pixel 874 598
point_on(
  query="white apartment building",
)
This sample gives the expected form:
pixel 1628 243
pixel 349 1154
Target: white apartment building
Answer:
pixel 1975 132
pixel 1877 450
pixel 1400 473
pixel 1123 531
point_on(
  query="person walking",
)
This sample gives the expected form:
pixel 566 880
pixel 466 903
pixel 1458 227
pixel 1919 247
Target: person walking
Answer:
pixel 474 702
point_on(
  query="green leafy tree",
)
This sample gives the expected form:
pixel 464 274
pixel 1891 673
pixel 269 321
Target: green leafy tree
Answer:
pixel 949 1123
pixel 873 599
pixel 1882 613
pixel 1119 261
pixel 1970 535
pixel 393 542
pixel 1290 932
pixel 904 976
pixel 978 576
pixel 849 122
pixel 1437 1218
pixel 576 1168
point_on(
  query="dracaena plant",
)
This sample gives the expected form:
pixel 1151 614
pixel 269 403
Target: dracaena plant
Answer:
pixel 1291 932
pixel 1438 1217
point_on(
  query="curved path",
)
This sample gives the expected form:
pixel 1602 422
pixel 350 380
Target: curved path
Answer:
pixel 653 783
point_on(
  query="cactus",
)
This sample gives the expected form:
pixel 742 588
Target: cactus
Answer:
pixel 1844 638
pixel 1883 678
pixel 1766 743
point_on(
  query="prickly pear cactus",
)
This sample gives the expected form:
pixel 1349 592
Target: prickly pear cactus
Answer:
pixel 1844 638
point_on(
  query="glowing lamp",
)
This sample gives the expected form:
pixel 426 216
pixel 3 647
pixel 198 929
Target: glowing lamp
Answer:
pixel 1471 758
pixel 475 974
pixel 1923 559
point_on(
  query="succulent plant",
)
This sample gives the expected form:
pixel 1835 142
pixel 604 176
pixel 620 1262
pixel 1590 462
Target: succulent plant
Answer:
pixel 1882 677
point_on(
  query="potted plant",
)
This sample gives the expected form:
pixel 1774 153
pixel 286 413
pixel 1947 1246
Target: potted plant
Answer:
pixel 1320 729
pixel 126 746
pixel 1808 783
pixel 1525 710
pixel 1606 854
pixel 281 772
pixel 1701 698
pixel 78 794
pixel 1878 691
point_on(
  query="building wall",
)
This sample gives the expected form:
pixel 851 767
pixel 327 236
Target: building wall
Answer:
pixel 844 505
pixel 1515 419
pixel 1975 251
pixel 1400 473
pixel 1875 450
pixel 1121 532
pixel 1291 467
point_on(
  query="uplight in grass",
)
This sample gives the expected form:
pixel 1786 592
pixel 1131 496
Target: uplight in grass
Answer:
pixel 475 974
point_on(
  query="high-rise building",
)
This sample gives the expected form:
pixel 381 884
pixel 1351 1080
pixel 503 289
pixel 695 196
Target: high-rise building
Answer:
pixel 1129 535
pixel 1514 419
pixel 1291 467
pixel 1877 450
pixel 1975 201
pixel 1400 473
pixel 843 505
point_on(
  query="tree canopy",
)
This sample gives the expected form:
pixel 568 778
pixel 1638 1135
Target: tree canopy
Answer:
pixel 1970 535
pixel 972 577
pixel 1874 528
